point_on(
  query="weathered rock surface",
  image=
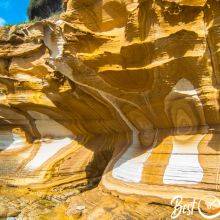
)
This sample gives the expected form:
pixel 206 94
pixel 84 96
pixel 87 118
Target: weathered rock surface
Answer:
pixel 126 92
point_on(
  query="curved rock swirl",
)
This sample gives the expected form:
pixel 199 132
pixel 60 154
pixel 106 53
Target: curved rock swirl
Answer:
pixel 122 91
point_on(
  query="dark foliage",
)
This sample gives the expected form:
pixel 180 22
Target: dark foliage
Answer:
pixel 40 9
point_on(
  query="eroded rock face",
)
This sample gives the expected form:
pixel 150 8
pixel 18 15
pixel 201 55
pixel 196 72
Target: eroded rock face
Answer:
pixel 126 92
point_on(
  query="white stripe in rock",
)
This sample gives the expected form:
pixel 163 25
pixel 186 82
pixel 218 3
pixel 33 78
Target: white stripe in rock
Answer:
pixel 184 166
pixel 10 140
pixel 130 166
pixel 46 151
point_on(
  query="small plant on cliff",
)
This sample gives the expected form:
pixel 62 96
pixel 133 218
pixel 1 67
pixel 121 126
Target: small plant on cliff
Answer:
pixel 40 9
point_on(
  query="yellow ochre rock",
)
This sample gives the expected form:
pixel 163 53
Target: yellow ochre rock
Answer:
pixel 117 97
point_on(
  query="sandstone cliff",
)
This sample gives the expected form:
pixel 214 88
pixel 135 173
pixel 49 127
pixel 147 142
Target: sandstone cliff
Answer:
pixel 118 96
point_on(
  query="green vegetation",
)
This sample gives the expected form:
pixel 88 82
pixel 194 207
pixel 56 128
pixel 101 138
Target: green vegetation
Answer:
pixel 40 9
